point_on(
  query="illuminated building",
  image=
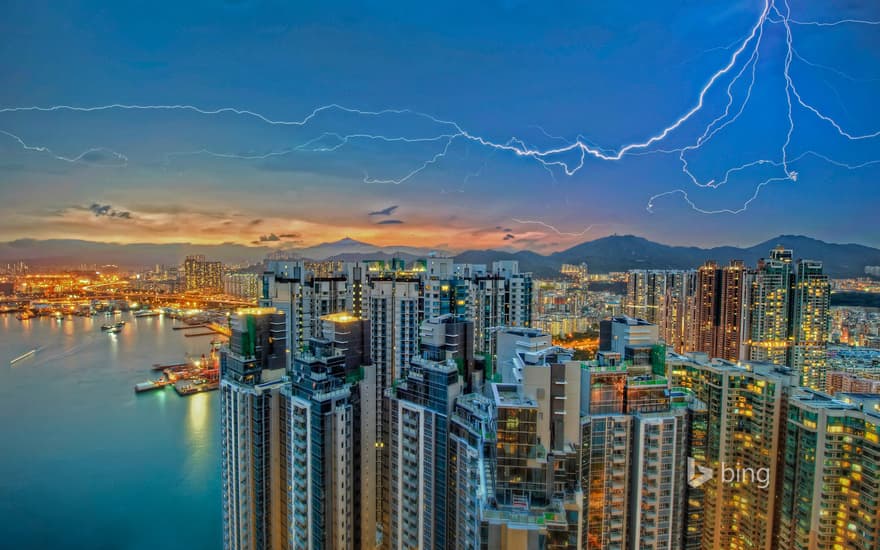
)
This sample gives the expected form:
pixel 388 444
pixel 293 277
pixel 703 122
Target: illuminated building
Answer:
pixel 667 299
pixel 744 431
pixel 646 294
pixel 322 449
pixel 847 382
pixel 536 501
pixel 831 473
pixel 617 333
pixel 471 446
pixel 810 311
pixel 442 338
pixel 242 285
pixel 634 446
pixel 304 298
pixel 393 301
pixel 252 369
pixel 578 273
pixel 769 309
pixel 676 315
pixel 200 275
pixel 419 410
pixel 731 312
pixel 445 293
pixel 705 317
pixel 501 298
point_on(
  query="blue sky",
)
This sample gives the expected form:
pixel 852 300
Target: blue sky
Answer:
pixel 612 73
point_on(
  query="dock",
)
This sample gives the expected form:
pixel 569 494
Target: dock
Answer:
pixel 190 387
pixel 163 366
pixel 187 327
pixel 190 334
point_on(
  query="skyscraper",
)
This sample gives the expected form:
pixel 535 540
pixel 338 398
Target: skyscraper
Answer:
pixel 831 473
pixel 252 370
pixel 201 275
pixel 810 318
pixel 322 449
pixel 731 311
pixel 471 446
pixel 393 301
pixel 706 308
pixel 304 298
pixel 769 309
pixel 745 434
pixel 419 410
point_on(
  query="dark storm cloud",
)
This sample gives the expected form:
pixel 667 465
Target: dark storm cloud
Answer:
pixel 102 210
pixel 289 235
pixel 384 212
pixel 389 222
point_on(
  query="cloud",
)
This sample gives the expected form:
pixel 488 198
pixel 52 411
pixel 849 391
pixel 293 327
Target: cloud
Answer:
pixel 509 237
pixel 257 221
pixel 389 222
pixel 289 235
pixel 507 230
pixel 101 210
pixel 384 212
pixel 271 237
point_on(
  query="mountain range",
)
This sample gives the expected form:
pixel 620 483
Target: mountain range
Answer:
pixel 612 253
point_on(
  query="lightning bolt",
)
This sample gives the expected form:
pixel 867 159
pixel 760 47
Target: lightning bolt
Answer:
pixel 567 156
pixel 556 230
pixel 78 159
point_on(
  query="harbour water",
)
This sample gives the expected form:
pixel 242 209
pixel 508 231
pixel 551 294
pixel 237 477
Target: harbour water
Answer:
pixel 87 463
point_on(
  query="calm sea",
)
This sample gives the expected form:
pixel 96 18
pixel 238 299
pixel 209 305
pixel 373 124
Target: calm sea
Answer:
pixel 87 463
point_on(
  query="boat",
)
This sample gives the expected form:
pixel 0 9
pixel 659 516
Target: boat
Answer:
pixel 120 324
pixel 107 327
pixel 114 330
pixel 24 356
pixel 147 313
pixel 151 385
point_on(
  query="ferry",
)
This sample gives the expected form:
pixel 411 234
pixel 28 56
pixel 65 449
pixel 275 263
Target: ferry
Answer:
pixel 151 385
pixel 140 314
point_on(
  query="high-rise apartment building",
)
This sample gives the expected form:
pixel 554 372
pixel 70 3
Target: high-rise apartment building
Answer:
pixel 252 369
pixel 201 275
pixel 323 454
pixel 303 297
pixel 731 312
pixel 242 285
pixel 769 309
pixel 471 446
pixel 418 437
pixel 745 436
pixel 618 333
pixel 393 301
pixel 646 292
pixel 810 317
pixel 830 473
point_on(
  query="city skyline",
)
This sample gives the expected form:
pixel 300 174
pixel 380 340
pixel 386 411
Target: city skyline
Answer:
pixel 511 75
